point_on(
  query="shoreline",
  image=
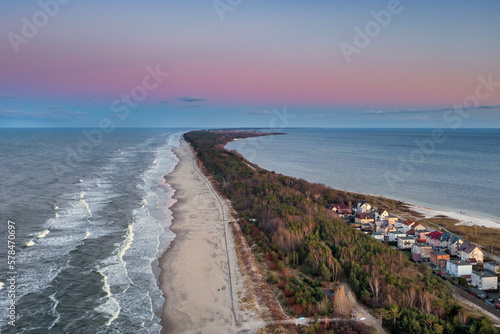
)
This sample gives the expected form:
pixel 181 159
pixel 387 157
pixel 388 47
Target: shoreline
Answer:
pixel 422 208
pixel 194 277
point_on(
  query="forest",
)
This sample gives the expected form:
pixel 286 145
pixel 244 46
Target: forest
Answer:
pixel 286 219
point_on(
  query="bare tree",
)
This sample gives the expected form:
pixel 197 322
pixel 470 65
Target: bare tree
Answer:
pixel 375 287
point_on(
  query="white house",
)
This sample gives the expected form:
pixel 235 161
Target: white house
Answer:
pixel 453 245
pixel 468 252
pixel 381 214
pixel 394 235
pixel 378 236
pixel 363 207
pixel 405 242
pixel 494 267
pixel 458 268
pixel 398 224
pixel 484 280
pixel 444 239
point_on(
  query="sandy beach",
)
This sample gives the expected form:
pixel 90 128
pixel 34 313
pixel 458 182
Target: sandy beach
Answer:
pixel 463 218
pixel 195 277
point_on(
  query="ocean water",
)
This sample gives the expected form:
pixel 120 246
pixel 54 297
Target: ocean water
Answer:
pixel 456 172
pixel 90 222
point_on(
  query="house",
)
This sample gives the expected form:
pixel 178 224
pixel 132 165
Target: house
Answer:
pixel 394 235
pixel 337 207
pixel 378 236
pixel 494 267
pixel 439 258
pixel 363 218
pixel 433 239
pixel 484 280
pixel 454 243
pixel 363 207
pixel 478 293
pixel 398 224
pixel 381 214
pixel 411 233
pixel 405 242
pixel 418 227
pixel 422 249
pixel 443 239
pixel 367 227
pixel 344 213
pixel 470 251
pixel 385 228
pixel 391 219
pixel 416 258
pixel 458 268
pixel 421 235
pixel 407 225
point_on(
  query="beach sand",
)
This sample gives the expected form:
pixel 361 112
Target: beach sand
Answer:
pixel 464 219
pixel 195 277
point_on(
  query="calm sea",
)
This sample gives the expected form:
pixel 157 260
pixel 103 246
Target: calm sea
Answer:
pixel 90 224
pixel 458 171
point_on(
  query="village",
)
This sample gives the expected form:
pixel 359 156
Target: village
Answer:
pixel 450 256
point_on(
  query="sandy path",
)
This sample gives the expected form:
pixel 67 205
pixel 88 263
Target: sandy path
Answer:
pixel 195 277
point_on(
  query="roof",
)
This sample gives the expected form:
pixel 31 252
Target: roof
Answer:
pixel 416 257
pixel 493 263
pixel 411 232
pixel 363 215
pixel 454 238
pixel 472 260
pixel 409 222
pixel 329 293
pixel 460 263
pixel 445 236
pixel 406 238
pixel 337 206
pixel 423 245
pixel 441 253
pixel 361 203
pixel 477 291
pixel 470 249
pixel 485 273
pixel 434 235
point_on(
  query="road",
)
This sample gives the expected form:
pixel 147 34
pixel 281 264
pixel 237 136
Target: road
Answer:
pixel 485 308
pixel 370 320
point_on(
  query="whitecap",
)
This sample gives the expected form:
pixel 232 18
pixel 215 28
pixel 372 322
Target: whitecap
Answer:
pixel 111 306
pixel 86 235
pixel 30 243
pixel 54 310
pixel 1 285
pixel 43 234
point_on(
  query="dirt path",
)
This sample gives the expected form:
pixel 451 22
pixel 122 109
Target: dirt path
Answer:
pixel 359 309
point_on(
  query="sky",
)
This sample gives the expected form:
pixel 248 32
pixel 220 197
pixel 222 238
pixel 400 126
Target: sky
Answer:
pixel 242 63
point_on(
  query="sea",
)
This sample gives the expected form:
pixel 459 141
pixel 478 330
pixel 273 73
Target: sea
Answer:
pixel 90 215
pixel 450 171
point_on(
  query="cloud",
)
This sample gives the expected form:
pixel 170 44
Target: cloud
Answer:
pixel 319 116
pixel 429 111
pixel 52 112
pixel 258 112
pixel 163 102
pixel 190 99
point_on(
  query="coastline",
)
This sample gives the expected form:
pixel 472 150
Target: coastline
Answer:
pixel 194 278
